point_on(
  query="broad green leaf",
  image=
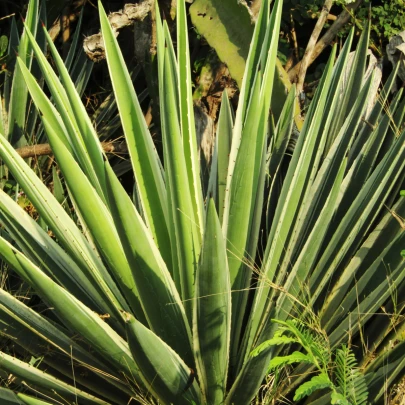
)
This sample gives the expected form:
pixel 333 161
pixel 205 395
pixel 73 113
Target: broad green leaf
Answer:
pixel 211 17
pixel 8 397
pixel 163 371
pixel 50 334
pixel 40 379
pixel 76 315
pixel 19 93
pixel 100 224
pixel 62 225
pixel 186 109
pixel 212 311
pixel 85 144
pixel 26 399
pixel 144 158
pixel 186 232
pixel 46 253
pixel 158 296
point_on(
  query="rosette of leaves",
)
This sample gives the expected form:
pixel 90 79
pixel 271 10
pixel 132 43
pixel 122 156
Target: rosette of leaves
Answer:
pixel 150 297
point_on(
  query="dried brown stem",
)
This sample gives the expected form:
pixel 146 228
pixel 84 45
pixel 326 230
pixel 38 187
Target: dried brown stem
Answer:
pixel 44 149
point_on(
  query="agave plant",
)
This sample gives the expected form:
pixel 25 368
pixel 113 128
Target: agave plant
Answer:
pixel 166 295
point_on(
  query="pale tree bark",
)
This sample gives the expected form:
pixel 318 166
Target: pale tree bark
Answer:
pixel 326 40
pixel 305 61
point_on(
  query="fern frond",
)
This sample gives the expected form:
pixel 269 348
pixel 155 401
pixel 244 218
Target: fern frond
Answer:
pixel 351 382
pixel 314 343
pixel 295 357
pixel 275 341
pixel 318 382
pixel 338 399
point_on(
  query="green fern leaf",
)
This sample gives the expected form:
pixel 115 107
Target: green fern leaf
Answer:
pixel 338 399
pixel 315 383
pixel 351 382
pixel 295 357
pixel 276 340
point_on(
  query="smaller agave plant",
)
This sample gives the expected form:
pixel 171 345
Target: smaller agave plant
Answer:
pixel 156 297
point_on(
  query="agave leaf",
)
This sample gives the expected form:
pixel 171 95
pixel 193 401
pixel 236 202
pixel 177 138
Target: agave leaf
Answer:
pixel 361 214
pixel 276 153
pixel 49 333
pixel 212 311
pixel 144 158
pixel 223 141
pixel 354 81
pixel 28 400
pixel 49 112
pixel 187 114
pixel 62 225
pixel 8 397
pixel 158 295
pixel 296 186
pixel 19 93
pixel 75 40
pixel 363 165
pixel 45 252
pixel 372 119
pixel 314 201
pixel 163 371
pixel 73 113
pixel 185 219
pixel 76 315
pixel 14 40
pixel 306 260
pixel 48 357
pixel 90 147
pixel 99 221
pixel 45 381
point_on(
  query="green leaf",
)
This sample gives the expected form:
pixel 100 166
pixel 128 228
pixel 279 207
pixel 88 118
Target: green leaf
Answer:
pixel 144 158
pixel 225 22
pixel 185 231
pixel 158 296
pixel 3 45
pixel 295 357
pixel 82 135
pixel 186 109
pixel 212 311
pixel 338 399
pixel 279 340
pixel 318 382
pixel 69 236
pixel 8 397
pixel 28 400
pixel 163 371
pixel 45 381
pixel 19 93
pixel 223 147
